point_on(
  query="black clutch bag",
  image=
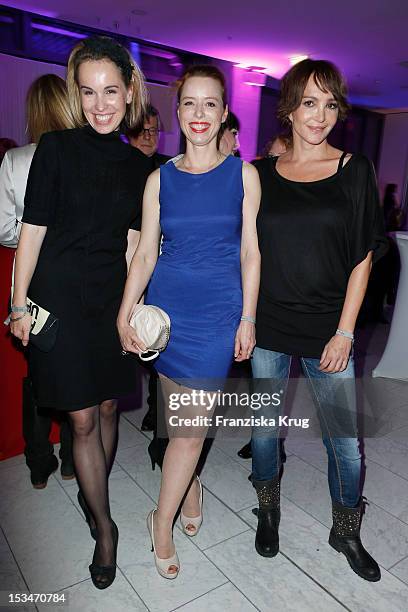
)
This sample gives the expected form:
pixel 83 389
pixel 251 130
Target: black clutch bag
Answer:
pixel 44 327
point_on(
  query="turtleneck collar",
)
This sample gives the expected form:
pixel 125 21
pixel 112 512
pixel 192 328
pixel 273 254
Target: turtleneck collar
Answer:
pixel 110 145
pixel 108 137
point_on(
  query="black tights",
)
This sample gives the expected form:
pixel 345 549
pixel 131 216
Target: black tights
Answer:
pixel 94 433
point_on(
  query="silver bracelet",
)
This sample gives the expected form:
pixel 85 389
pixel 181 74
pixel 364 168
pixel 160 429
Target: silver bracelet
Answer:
pixel 23 309
pixel 249 319
pixel 17 318
pixel 345 334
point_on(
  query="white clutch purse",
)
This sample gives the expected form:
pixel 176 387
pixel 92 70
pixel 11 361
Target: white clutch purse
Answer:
pixel 152 325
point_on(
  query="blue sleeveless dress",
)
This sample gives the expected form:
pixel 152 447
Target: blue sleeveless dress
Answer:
pixel 197 278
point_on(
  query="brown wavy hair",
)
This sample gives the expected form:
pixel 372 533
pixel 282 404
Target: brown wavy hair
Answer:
pixel 326 76
pixel 47 106
pixel 105 48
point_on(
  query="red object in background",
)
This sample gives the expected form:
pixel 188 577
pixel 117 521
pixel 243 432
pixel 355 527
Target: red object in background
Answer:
pixel 13 369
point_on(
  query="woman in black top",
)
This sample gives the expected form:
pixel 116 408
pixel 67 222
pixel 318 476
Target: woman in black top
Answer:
pixel 319 229
pixel 81 222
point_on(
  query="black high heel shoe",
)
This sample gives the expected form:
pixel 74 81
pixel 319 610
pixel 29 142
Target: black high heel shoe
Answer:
pixel 245 452
pixel 156 450
pixel 87 514
pixel 149 420
pixel 103 575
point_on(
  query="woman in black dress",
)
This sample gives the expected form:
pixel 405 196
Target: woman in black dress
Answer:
pixel 319 230
pixel 81 223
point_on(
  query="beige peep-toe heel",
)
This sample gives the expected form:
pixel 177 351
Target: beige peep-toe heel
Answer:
pixel 195 521
pixel 162 565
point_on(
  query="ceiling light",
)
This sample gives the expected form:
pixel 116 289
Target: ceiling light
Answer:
pixel 254 84
pixel 48 28
pixel 297 58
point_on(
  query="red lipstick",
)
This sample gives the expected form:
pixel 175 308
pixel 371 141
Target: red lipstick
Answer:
pixel 199 127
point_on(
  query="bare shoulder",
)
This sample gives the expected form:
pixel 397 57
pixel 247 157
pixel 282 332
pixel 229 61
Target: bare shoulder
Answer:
pixel 252 187
pixel 336 155
pixel 153 180
pixel 249 172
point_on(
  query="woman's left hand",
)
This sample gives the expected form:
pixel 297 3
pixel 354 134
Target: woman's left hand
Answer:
pixel 336 354
pixel 244 341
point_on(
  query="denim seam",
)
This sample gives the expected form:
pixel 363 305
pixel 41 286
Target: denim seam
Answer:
pixel 330 436
pixel 278 447
pixel 277 438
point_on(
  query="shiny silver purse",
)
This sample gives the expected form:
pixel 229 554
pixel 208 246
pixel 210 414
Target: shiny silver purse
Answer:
pixel 152 326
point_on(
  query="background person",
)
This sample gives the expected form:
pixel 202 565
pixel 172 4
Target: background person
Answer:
pixel 383 283
pixel 278 145
pixel 146 137
pixel 229 135
pixel 80 227
pixel 47 110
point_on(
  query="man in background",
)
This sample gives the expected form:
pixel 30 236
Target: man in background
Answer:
pixel 146 137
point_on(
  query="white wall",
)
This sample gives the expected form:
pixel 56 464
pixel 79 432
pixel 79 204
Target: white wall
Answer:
pixel 393 166
pixel 17 75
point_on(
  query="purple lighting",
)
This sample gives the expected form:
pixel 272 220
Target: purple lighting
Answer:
pixel 47 28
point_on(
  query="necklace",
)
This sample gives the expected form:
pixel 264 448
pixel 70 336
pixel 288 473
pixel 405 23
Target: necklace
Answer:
pixel 210 166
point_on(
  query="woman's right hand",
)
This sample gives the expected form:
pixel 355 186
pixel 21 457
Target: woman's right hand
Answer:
pixel 129 340
pixel 21 328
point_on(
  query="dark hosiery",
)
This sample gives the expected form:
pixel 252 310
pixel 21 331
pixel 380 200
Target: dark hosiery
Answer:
pixel 92 473
pixel 108 415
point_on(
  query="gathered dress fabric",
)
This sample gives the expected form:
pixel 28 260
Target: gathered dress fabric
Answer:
pixel 86 188
pixel 197 279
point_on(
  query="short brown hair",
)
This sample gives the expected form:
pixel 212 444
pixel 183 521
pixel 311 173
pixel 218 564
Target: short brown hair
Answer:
pixel 47 106
pixel 203 70
pixel 105 48
pixel 326 76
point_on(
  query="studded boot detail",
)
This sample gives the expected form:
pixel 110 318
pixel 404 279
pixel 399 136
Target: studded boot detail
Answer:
pixel 267 533
pixel 345 538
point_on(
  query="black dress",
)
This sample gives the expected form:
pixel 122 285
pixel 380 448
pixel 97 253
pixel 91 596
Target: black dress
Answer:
pixel 87 189
pixel 311 236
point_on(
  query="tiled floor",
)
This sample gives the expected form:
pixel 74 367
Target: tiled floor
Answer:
pixel 45 544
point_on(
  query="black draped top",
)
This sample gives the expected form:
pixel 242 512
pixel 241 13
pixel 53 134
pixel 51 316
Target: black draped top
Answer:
pixel 311 236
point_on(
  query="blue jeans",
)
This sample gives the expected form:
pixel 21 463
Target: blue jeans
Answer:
pixel 331 397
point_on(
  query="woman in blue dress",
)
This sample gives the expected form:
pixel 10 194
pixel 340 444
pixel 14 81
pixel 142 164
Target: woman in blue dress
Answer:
pixel 206 279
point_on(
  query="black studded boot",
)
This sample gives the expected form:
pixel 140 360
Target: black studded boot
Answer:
pixel 345 538
pixel 267 533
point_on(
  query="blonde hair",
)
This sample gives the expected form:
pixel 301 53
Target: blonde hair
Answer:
pixel 47 106
pixel 106 48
